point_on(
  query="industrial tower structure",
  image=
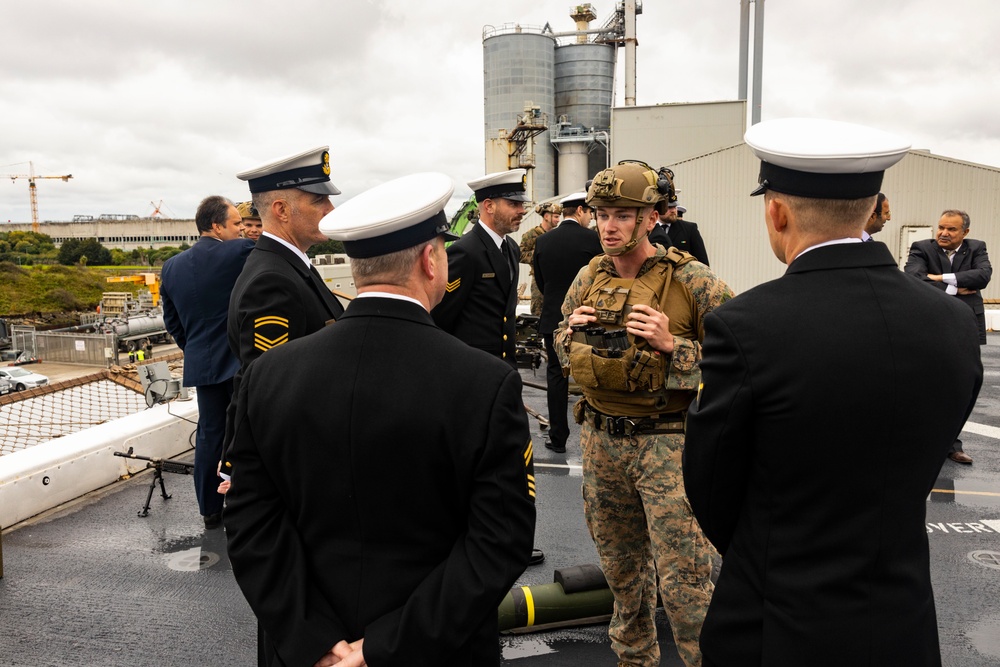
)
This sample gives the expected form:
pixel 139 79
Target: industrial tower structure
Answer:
pixel 534 75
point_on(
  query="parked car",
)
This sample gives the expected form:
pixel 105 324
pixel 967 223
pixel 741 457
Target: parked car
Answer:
pixel 21 379
pixel 4 386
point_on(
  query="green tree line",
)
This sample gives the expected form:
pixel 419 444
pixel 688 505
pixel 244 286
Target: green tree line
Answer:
pixel 30 248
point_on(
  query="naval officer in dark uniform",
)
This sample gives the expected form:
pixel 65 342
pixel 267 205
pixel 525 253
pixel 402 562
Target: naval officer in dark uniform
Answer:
pixel 391 539
pixel 280 296
pixel 825 562
pixel 481 297
pixel 480 301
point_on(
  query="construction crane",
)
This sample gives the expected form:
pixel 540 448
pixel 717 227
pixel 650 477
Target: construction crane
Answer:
pixel 32 177
pixel 157 210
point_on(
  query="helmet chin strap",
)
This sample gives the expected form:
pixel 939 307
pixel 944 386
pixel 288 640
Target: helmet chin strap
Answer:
pixel 633 242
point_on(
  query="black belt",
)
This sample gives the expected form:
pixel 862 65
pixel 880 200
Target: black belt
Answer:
pixel 672 422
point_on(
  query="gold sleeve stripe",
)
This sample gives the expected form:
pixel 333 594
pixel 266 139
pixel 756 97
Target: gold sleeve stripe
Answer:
pixel 270 319
pixel 453 285
pixel 528 452
pixel 262 343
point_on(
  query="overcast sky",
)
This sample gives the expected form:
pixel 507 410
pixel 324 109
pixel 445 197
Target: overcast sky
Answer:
pixel 167 100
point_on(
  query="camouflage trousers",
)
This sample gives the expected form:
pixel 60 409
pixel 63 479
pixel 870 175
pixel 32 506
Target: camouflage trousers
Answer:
pixel 536 299
pixel 641 523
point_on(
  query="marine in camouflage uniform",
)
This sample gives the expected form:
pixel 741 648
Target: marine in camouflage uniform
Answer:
pixel 550 217
pixel 632 415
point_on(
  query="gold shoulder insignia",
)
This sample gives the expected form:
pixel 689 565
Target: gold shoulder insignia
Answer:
pixel 453 285
pixel 263 343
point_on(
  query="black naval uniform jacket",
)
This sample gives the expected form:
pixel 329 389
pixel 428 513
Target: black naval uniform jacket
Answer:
pixel 277 298
pixel 481 299
pixel 971 266
pixel 565 250
pixel 383 488
pixel 815 500
pixel 683 235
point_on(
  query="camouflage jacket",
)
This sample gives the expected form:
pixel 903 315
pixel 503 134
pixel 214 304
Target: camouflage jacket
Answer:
pixel 707 290
pixel 528 245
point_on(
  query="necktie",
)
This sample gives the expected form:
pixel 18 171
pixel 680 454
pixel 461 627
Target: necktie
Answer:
pixel 505 251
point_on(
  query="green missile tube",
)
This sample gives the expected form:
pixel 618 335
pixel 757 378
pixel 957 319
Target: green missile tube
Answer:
pixel 535 608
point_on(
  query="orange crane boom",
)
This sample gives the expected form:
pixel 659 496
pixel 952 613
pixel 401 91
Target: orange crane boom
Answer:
pixel 150 280
pixel 32 177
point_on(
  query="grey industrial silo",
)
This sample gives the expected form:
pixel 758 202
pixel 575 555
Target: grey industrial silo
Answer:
pixel 584 94
pixel 518 64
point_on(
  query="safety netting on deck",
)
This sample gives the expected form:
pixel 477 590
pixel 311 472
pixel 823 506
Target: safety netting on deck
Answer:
pixel 35 416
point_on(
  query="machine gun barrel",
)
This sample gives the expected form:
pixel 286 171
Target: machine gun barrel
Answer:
pixel 166 465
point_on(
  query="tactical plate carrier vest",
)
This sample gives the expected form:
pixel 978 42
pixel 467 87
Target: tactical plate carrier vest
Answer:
pixel 630 380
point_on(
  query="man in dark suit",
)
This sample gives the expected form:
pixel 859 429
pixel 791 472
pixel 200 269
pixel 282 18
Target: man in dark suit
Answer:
pixel 481 297
pixel 876 221
pixel 682 234
pixel 825 561
pixel 959 267
pixel 559 256
pixel 391 539
pixel 195 289
pixel 280 296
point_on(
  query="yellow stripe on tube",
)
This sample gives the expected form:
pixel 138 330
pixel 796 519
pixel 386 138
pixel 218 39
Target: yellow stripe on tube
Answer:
pixel 530 604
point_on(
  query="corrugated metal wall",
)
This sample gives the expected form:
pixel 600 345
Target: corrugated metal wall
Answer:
pixel 715 190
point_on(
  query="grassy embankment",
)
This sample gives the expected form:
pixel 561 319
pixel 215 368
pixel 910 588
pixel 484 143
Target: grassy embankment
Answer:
pixel 52 289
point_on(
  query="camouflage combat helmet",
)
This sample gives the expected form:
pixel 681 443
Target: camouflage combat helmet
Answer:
pixel 548 207
pixel 629 184
pixel 246 209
